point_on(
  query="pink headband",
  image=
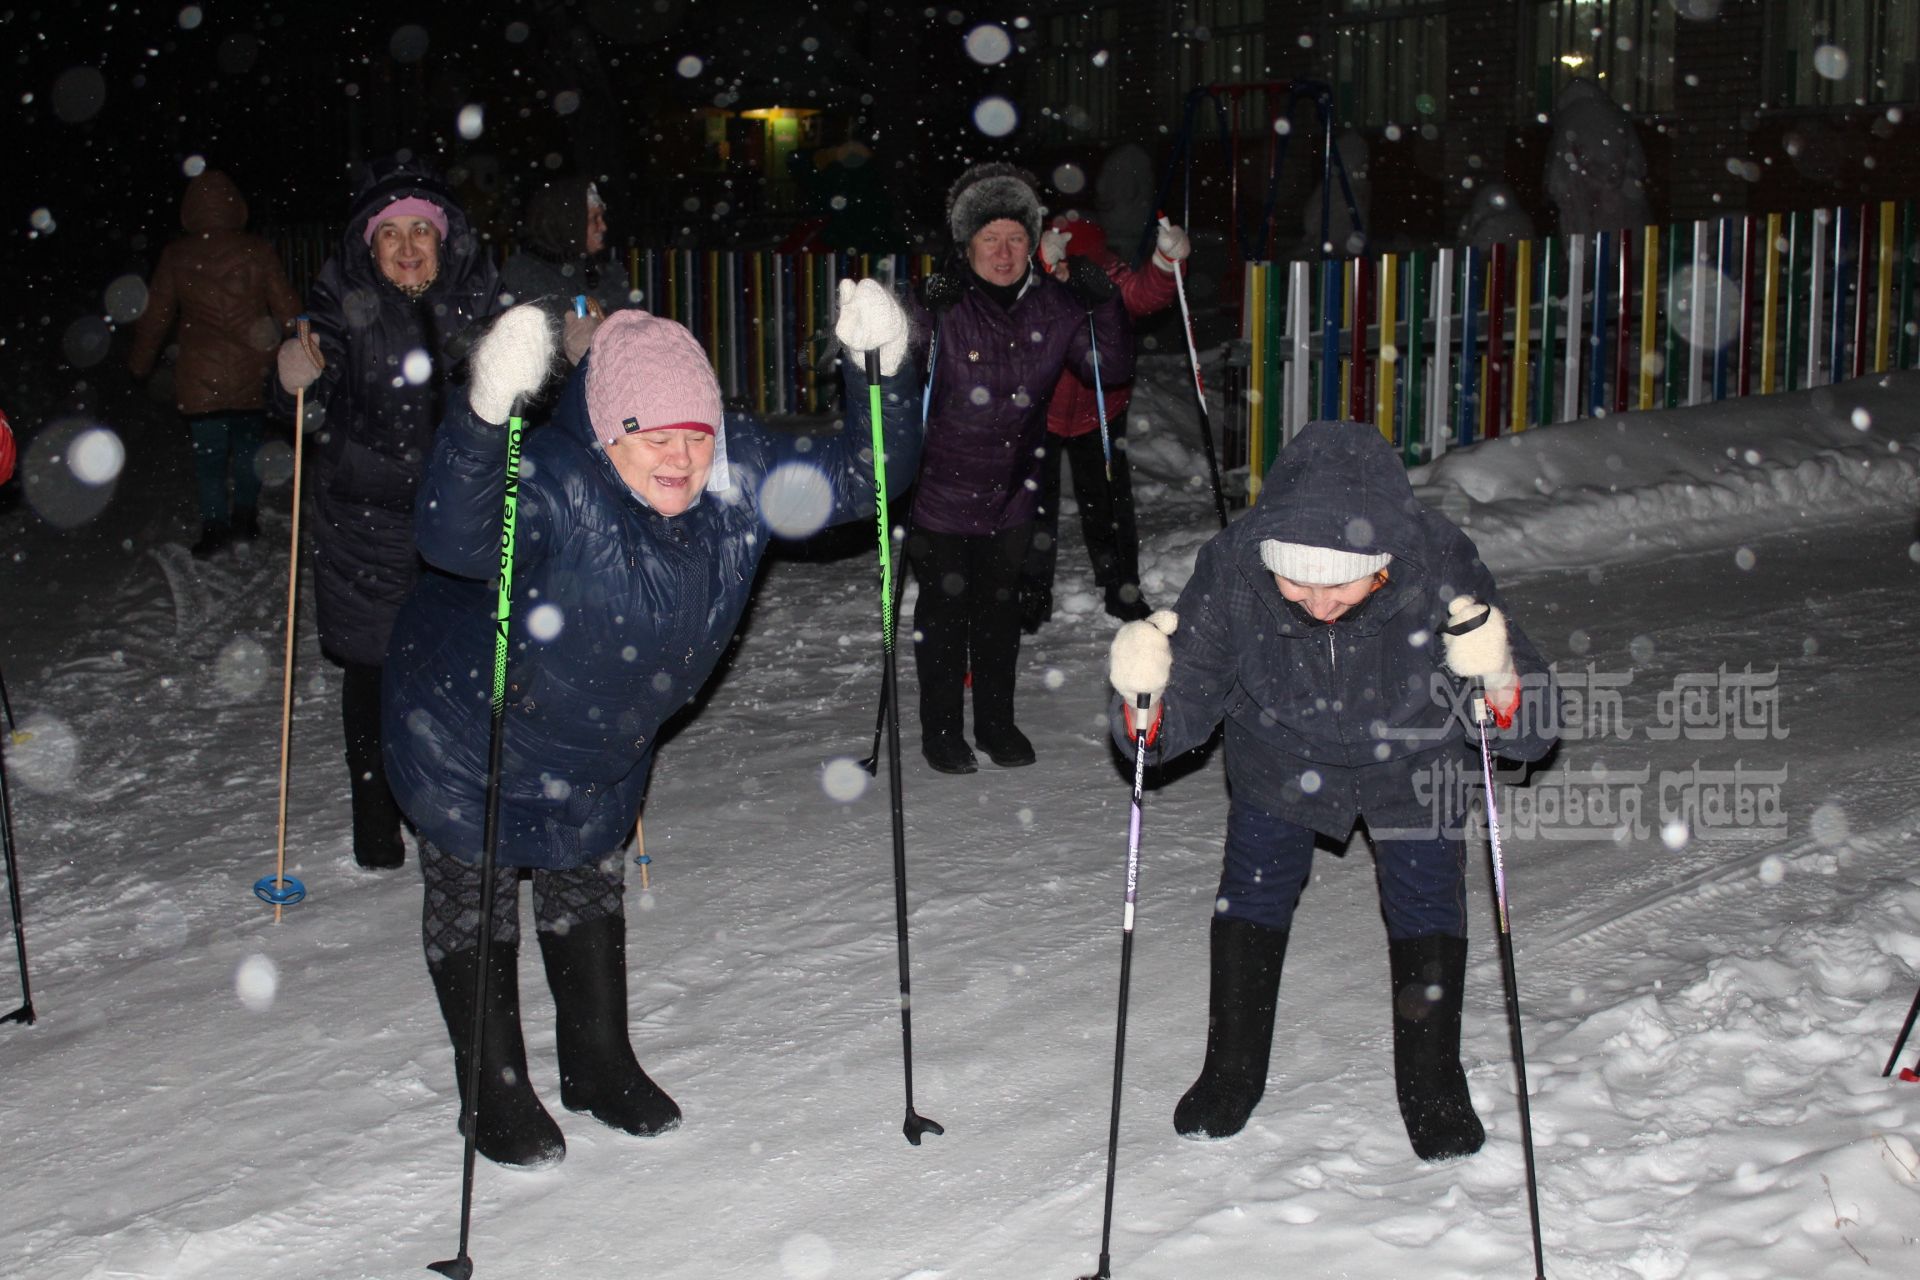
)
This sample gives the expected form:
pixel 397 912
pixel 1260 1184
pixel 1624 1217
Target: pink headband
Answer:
pixel 409 207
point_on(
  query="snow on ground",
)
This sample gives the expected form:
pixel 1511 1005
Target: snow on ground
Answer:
pixel 1715 909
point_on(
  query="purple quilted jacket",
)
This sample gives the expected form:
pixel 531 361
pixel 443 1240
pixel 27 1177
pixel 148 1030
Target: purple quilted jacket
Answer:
pixel 994 370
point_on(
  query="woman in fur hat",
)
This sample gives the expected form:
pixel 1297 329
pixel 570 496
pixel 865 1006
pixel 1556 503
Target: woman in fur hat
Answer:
pixel 642 516
pixel 1001 347
pixel 1316 628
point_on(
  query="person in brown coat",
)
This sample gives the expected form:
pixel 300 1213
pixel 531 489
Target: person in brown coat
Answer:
pixel 230 296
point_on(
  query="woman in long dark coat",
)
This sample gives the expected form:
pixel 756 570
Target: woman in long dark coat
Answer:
pixel 393 314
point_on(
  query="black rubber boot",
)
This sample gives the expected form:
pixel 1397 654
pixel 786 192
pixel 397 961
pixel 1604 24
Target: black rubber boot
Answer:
pixel 514 1129
pixel 1428 977
pixel 948 753
pixel 587 969
pixel 1004 744
pixel 1246 986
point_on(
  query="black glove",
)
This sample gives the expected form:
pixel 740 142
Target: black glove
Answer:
pixel 1089 282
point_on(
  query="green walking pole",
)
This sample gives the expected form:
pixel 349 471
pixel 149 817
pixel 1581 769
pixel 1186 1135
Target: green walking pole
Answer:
pixel 916 1125
pixel 460 1267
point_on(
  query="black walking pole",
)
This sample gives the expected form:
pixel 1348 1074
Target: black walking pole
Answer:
pixel 872 763
pixel 24 1013
pixel 460 1266
pixel 1199 389
pixel 1126 974
pixel 1513 991
pixel 1906 1029
pixel 1506 955
pixel 890 693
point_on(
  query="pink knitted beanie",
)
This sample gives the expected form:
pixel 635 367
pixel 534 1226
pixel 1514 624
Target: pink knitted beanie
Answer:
pixel 410 207
pixel 649 374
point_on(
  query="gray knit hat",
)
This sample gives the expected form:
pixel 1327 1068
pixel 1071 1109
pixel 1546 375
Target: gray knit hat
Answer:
pixel 990 191
pixel 1318 566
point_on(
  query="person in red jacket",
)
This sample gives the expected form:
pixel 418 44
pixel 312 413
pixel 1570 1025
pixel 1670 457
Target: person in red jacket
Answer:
pixel 1102 490
pixel 6 449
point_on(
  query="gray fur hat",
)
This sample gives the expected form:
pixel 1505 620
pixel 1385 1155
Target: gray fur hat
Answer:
pixel 990 191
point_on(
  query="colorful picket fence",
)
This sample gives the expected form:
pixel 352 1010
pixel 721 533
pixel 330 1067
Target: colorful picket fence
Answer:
pixel 1448 346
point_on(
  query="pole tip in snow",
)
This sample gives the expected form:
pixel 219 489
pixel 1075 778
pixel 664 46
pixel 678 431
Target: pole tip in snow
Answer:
pixel 460 1268
pixel 1910 1075
pixel 918 1124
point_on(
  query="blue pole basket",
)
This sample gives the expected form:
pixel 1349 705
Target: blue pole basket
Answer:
pixel 279 891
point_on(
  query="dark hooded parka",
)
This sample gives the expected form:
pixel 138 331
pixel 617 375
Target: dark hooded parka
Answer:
pixel 1358 717
pixel 391 361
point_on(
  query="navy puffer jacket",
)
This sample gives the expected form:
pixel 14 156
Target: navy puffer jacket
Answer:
pixel 1356 717
pixel 391 363
pixel 994 370
pixel 619 616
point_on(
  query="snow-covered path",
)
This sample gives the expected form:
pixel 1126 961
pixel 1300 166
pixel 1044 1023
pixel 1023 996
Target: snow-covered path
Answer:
pixel 208 1094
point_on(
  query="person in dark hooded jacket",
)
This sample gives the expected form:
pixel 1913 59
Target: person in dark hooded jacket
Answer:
pixel 229 296
pixel 393 314
pixel 565 252
pixel 641 519
pixel 1316 628
pixel 998 351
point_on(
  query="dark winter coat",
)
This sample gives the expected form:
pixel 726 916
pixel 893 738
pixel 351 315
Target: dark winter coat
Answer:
pixel 1329 721
pixel 994 369
pixel 375 423
pixel 230 295
pixel 551 266
pixel 633 611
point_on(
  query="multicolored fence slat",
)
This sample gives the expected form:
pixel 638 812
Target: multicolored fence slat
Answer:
pixel 1446 347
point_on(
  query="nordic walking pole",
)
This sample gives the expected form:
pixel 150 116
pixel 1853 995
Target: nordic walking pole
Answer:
pixel 1906 1029
pixel 278 890
pixel 872 763
pixel 1513 986
pixel 890 691
pixel 640 844
pixel 1506 954
pixel 1126 973
pixel 24 1014
pixel 1100 398
pixel 6 705
pixel 1199 388
pixel 460 1267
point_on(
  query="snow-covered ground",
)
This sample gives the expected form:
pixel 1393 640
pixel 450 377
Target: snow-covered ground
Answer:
pixel 1715 905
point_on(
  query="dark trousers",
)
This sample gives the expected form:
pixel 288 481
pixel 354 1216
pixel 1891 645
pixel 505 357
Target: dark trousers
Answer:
pixel 224 444
pixel 376 816
pixel 967 618
pixel 1423 883
pixel 1106 511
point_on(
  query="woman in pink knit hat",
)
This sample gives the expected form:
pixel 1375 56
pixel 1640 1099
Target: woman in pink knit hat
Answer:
pixel 393 313
pixel 642 515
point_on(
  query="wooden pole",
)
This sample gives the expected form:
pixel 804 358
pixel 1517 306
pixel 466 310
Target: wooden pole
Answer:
pixel 303 332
